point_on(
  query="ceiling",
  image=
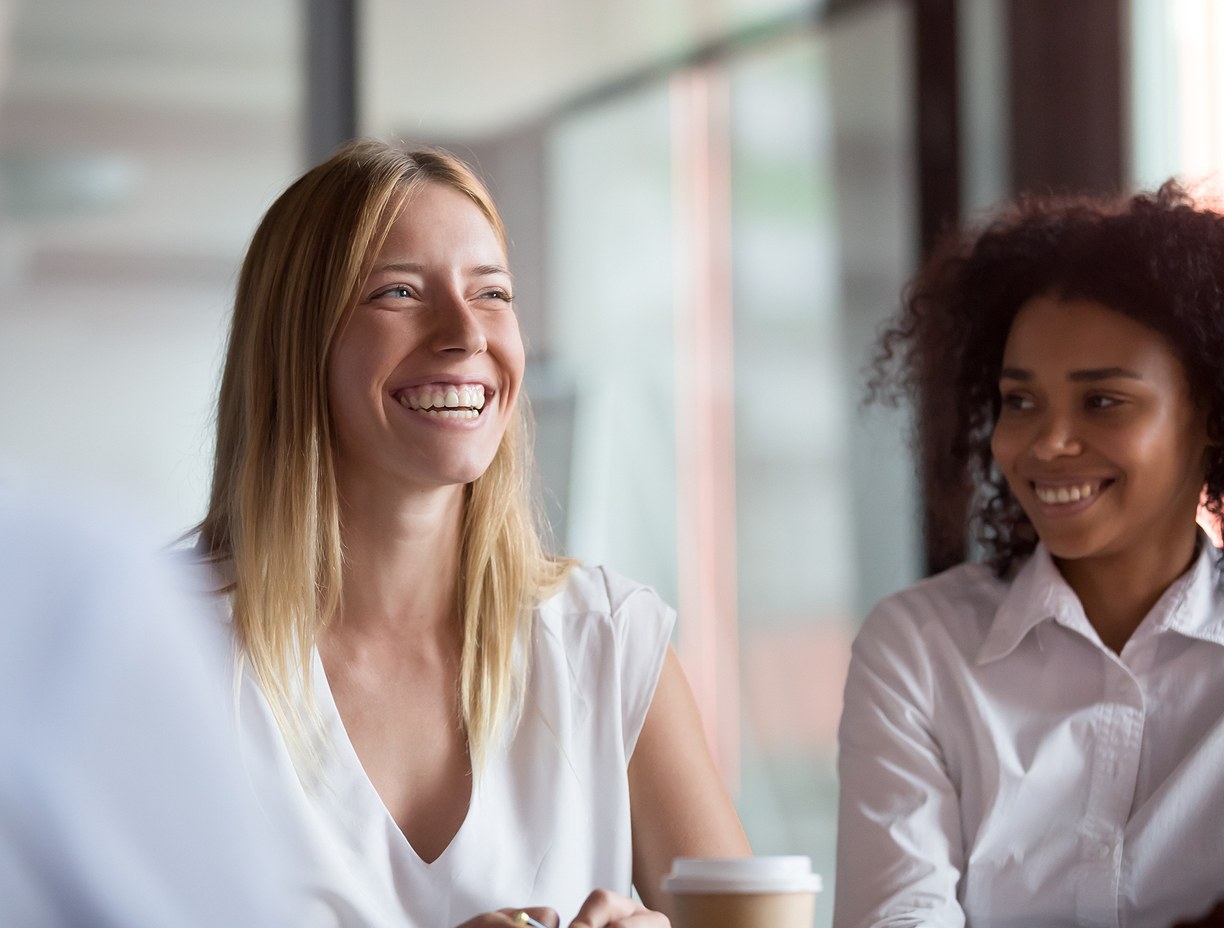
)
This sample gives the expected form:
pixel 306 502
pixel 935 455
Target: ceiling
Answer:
pixel 448 67
pixel 479 65
pixel 141 133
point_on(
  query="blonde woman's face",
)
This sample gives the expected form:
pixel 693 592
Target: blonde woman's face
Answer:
pixel 426 372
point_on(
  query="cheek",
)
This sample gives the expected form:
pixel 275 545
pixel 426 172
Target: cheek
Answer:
pixel 512 351
pixel 1194 447
pixel 1002 447
pixel 351 377
pixel 1006 448
pixel 340 378
pixel 339 403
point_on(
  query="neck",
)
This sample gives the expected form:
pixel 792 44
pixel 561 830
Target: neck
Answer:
pixel 401 565
pixel 1118 591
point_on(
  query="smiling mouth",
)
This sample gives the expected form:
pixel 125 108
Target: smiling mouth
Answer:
pixel 1069 493
pixel 445 401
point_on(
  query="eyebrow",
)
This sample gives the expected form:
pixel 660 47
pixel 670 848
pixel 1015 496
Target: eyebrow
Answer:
pixel 1084 376
pixel 481 270
pixel 396 266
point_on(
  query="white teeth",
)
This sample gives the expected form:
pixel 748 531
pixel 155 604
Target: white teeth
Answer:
pixel 466 400
pixel 1060 495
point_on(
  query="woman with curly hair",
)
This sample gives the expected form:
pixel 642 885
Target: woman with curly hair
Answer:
pixel 461 721
pixel 1038 737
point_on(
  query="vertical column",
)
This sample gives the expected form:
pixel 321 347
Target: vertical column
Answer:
pixel 331 76
pixel 1066 95
pixel 937 124
pixel 937 120
pixel 705 414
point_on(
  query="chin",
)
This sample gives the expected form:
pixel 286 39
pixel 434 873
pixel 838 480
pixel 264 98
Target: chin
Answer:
pixel 1078 549
pixel 464 472
pixel 1068 553
pixel 1067 546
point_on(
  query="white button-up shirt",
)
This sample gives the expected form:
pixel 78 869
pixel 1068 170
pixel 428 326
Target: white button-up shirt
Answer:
pixel 1000 766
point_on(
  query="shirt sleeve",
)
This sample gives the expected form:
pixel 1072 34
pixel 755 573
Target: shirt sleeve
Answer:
pixel 642 624
pixel 899 845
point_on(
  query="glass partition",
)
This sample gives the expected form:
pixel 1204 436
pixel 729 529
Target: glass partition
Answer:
pixel 1177 93
pixel 139 144
pixel 723 246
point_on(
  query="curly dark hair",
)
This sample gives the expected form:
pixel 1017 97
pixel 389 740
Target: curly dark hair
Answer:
pixel 1156 257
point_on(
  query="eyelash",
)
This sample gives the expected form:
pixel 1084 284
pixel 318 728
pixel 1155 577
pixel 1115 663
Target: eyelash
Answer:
pixel 1015 401
pixel 395 291
pixel 1101 401
pixel 403 292
pixel 1094 402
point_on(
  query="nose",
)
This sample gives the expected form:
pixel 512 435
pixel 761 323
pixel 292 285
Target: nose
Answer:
pixel 457 327
pixel 1055 438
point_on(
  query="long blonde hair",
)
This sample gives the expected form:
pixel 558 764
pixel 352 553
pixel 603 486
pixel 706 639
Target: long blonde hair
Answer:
pixel 274 508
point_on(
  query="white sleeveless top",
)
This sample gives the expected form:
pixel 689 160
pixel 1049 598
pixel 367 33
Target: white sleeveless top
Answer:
pixel 549 817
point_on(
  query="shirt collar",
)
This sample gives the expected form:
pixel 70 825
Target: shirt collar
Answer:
pixel 1192 606
pixel 1038 593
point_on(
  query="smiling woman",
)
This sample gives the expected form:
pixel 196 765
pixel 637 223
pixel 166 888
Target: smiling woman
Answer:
pixel 1037 738
pixel 425 374
pixel 1103 446
pixel 461 720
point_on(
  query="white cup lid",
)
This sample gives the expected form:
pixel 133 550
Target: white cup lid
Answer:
pixel 787 874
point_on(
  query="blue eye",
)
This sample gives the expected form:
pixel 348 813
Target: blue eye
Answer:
pixel 394 293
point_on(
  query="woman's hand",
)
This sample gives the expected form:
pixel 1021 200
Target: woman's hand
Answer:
pixel 510 918
pixel 604 909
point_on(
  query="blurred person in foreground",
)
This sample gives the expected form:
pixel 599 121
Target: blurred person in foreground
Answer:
pixel 467 727
pixel 1038 738
pixel 123 800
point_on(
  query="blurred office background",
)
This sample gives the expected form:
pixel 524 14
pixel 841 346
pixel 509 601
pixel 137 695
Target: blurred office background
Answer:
pixel 713 205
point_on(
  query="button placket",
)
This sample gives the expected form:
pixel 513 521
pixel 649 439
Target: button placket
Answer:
pixel 1118 742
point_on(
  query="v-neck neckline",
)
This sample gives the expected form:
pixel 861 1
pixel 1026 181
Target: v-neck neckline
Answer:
pixel 350 761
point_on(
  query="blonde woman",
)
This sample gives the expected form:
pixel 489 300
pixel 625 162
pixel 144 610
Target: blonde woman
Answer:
pixel 467 727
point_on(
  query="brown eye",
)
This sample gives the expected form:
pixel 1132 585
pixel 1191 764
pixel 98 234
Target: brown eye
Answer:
pixel 1015 401
pixel 1100 401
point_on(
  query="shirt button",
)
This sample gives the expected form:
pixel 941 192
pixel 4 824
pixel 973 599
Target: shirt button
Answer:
pixel 1103 850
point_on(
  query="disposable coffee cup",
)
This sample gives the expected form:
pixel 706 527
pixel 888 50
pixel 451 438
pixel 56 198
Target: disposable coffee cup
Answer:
pixel 742 892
